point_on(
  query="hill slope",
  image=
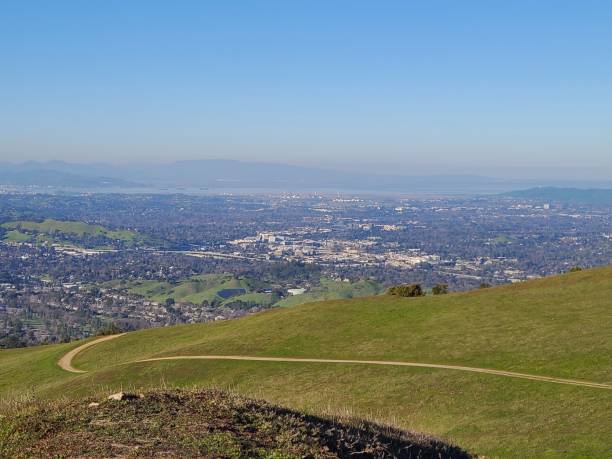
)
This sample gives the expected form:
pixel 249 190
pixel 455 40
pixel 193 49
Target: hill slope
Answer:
pixel 560 326
pixel 200 424
pixel 227 288
pixel 330 289
pixel 207 287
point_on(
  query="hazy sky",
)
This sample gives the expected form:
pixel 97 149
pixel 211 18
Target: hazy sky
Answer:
pixel 456 85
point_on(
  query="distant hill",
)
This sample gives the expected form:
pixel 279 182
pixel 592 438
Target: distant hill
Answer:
pixel 55 174
pixel 185 176
pixel 226 288
pixel 330 289
pixel 213 288
pixel 594 196
pixel 554 327
pixel 216 174
pixel 78 234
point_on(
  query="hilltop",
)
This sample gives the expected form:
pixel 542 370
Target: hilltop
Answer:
pixel 556 327
pixel 207 423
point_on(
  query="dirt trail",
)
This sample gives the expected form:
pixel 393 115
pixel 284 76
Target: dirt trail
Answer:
pixel 66 363
pixel 510 374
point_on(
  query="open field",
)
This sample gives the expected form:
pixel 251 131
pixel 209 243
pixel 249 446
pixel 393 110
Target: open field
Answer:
pixel 558 327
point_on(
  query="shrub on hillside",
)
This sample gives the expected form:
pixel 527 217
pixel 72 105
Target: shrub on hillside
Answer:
pixel 440 289
pixel 406 290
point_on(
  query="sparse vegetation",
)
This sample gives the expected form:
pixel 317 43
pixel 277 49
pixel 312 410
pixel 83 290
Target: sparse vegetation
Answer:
pixel 208 424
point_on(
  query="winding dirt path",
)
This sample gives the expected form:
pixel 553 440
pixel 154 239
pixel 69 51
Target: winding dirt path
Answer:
pixel 66 363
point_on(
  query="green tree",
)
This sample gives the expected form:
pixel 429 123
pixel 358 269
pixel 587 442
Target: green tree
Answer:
pixel 406 290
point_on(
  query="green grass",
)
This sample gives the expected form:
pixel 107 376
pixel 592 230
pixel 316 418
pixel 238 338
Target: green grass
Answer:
pixel 31 369
pixel 261 299
pixel 17 236
pixel 152 290
pixel 559 326
pixel 330 289
pixel 196 289
pixel 207 287
pixel 46 230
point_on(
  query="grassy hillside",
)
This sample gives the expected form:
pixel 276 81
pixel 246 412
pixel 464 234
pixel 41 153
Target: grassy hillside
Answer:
pixel 560 326
pixel 330 289
pixel 225 288
pixel 56 231
pixel 18 236
pixel 23 371
pixel 218 288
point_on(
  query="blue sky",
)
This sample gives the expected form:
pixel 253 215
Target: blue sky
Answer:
pixel 495 87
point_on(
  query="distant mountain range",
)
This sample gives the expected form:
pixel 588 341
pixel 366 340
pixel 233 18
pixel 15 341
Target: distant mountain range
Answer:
pixel 55 174
pixel 569 195
pixel 237 175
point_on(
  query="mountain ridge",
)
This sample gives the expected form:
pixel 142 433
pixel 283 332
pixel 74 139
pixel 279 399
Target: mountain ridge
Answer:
pixel 227 174
pixel 594 196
